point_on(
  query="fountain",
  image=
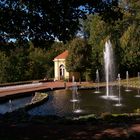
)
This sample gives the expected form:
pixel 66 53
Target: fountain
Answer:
pixel 97 82
pixel 109 68
pixel 127 82
pixel 74 90
pixel 10 105
pixel 76 106
pixel 75 97
pixel 119 96
pixel 138 95
pixel 74 94
pixel 60 104
pixel 73 79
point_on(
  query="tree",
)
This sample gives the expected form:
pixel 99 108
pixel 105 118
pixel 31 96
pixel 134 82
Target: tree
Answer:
pixel 98 32
pixel 130 39
pixel 130 44
pixel 18 65
pixel 124 34
pixel 39 20
pixel 4 63
pixel 37 65
pixel 78 60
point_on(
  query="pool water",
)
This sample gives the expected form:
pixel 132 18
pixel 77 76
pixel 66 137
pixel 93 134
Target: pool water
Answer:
pixel 13 104
pixel 88 102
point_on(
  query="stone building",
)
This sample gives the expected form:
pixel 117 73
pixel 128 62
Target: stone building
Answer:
pixel 60 72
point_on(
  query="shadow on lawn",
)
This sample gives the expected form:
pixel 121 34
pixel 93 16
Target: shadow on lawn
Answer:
pixel 21 126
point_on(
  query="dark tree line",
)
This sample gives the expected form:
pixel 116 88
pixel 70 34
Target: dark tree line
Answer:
pixel 40 20
pixel 28 62
pixel 36 24
pixel 124 34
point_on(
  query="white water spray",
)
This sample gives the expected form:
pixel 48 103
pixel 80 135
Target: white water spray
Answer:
pixel 97 82
pixel 127 82
pixel 119 94
pixel 74 90
pixel 75 97
pixel 109 66
pixel 138 95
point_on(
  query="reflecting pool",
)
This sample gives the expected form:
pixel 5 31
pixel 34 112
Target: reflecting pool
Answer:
pixel 13 104
pixel 88 102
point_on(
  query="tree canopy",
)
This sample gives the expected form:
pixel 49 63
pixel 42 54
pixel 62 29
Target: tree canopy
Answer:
pixel 35 24
pixel 78 60
pixel 48 19
pixel 124 34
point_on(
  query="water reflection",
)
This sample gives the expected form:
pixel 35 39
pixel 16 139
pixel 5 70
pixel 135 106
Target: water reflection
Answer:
pixel 14 104
pixel 59 103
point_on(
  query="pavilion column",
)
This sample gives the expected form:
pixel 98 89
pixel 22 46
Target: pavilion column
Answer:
pixel 56 70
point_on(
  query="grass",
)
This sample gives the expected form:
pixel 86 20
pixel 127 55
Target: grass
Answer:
pixel 132 82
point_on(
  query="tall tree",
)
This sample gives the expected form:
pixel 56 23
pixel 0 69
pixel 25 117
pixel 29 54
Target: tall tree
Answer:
pixel 4 64
pixel 130 39
pixel 37 63
pixel 78 60
pixel 47 19
pixel 18 66
pixel 98 32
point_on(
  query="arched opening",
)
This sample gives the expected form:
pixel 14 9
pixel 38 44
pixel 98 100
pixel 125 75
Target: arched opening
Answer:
pixel 62 72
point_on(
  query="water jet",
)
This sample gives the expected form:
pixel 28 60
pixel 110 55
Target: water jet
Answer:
pixel 109 69
pixel 97 82
pixel 127 82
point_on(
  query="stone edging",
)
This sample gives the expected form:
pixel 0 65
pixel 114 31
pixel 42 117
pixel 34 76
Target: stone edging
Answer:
pixel 38 99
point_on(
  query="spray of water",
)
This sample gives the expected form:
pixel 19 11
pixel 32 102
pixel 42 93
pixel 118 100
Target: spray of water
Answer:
pixel 97 82
pixel 74 90
pixel 119 92
pixel 108 65
pixel 75 97
pixel 127 82
pixel 138 95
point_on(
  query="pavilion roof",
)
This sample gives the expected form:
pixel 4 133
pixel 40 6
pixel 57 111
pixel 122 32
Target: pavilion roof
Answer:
pixel 62 55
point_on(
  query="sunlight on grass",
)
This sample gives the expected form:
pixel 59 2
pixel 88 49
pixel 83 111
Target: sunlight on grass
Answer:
pixel 133 82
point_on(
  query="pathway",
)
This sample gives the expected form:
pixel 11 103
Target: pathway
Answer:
pixel 26 88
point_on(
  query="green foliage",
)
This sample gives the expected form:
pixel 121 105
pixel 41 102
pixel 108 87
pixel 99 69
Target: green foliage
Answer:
pixel 41 61
pixel 24 61
pixel 98 32
pixel 43 21
pixel 130 39
pixel 40 20
pixel 130 43
pixel 37 62
pixel 78 60
pixel 97 29
pixel 18 63
pixel 124 34
pixel 4 63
